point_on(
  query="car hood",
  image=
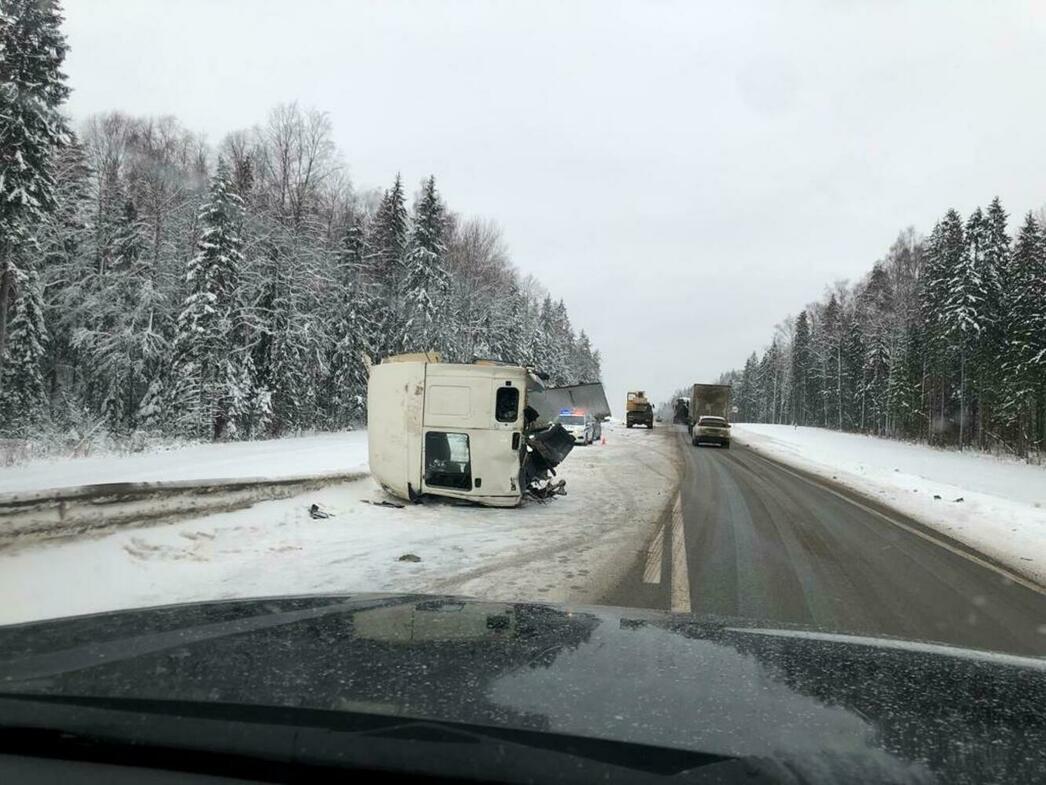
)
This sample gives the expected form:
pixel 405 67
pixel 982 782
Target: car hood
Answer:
pixel 834 706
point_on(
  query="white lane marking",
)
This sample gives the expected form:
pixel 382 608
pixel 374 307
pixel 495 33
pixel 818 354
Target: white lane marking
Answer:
pixel 680 574
pixel 924 535
pixel 654 554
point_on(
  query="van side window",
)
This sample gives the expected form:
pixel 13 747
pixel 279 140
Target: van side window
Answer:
pixel 506 404
pixel 448 463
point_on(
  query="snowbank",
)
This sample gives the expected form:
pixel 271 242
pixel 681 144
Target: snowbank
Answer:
pixel 320 454
pixel 1002 512
pixel 572 549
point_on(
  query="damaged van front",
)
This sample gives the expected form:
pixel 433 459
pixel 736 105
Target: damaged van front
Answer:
pixel 456 430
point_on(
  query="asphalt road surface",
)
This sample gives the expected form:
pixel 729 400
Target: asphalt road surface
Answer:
pixel 751 538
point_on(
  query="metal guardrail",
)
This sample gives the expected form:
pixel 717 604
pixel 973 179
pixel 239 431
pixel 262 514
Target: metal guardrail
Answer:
pixel 69 512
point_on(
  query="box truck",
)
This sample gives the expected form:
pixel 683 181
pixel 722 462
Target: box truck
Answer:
pixel 710 414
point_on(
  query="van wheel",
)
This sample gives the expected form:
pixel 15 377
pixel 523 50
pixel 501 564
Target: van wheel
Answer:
pixel 727 445
pixel 628 425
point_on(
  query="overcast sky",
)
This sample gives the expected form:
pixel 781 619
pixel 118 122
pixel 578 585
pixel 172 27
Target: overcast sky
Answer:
pixel 683 174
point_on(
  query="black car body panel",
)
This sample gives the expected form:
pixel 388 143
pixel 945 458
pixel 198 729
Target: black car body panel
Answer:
pixel 828 707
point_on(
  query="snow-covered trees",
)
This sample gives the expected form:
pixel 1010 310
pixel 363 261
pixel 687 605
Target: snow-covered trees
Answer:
pixel 32 88
pixel 245 298
pixel 1023 297
pixel 803 391
pixel 32 131
pixel 23 397
pixel 207 372
pixel 944 340
pixel 424 285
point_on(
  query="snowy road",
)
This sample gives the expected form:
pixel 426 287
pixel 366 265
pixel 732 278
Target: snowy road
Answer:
pixel 756 539
pixel 571 549
pixel 649 522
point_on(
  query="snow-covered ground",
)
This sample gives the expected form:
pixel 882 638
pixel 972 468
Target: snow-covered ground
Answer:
pixel 1002 512
pixel 296 456
pixel 573 548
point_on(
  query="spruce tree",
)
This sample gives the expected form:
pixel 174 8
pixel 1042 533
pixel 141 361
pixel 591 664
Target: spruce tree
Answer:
pixel 962 311
pixel 876 378
pixel 32 90
pixel 903 394
pixel 587 370
pixel 991 261
pixel 388 242
pixel 831 350
pixel 944 309
pixel 508 326
pixel 802 362
pixel 769 386
pixel 23 396
pixel 204 343
pixel 128 245
pixel 149 417
pixel 747 394
pixel 349 373
pixel 1024 301
pixel 854 383
pixel 389 237
pixel 425 283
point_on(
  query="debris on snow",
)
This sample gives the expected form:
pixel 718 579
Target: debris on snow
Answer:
pixel 412 557
pixel 317 513
pixel 543 493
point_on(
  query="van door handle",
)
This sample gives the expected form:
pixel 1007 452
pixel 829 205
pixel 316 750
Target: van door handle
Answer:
pixel 515 441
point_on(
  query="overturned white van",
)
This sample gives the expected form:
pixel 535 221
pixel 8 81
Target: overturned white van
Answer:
pixel 449 429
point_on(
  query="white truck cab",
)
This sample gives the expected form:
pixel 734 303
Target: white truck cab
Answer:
pixel 448 429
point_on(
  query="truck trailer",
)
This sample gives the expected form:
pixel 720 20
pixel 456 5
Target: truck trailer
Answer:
pixel 709 400
pixel 457 430
pixel 710 414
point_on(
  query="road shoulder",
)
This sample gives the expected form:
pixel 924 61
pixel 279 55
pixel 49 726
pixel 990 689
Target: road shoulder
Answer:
pixel 881 500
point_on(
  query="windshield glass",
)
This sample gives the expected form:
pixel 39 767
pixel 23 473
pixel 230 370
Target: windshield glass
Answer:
pixel 295 297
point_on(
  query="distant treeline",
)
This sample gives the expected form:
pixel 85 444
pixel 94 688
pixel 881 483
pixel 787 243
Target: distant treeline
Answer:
pixel 943 341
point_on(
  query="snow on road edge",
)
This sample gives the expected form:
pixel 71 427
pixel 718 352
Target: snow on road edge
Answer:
pixel 568 550
pixel 325 453
pixel 1009 529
